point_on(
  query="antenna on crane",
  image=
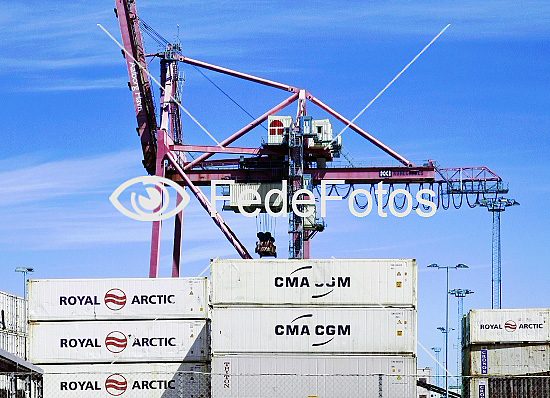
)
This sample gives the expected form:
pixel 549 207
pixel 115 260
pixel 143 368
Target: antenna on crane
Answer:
pixel 496 206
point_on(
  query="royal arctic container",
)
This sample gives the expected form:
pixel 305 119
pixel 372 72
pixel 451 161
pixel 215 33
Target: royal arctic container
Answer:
pixel 152 380
pixel 133 341
pixel 12 314
pixel 87 299
pixel 346 282
pixel 507 326
pixel 251 376
pixel 506 359
pixel 507 387
pixel 14 343
pixel 313 330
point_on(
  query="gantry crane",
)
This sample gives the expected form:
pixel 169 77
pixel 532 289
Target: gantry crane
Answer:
pixel 301 157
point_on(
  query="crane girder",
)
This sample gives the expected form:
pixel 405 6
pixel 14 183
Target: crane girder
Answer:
pixel 138 80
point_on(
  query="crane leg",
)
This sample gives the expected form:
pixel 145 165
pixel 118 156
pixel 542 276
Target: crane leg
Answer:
pixel 176 255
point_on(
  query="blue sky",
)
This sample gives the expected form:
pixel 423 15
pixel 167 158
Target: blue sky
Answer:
pixel 477 97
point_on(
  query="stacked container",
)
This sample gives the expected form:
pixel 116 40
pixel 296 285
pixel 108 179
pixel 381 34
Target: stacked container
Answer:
pixel 327 323
pixel 103 337
pixel 510 342
pixel 13 324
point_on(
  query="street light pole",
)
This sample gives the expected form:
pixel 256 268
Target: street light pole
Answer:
pixel 458 266
pixel 24 271
pixel 460 294
pixel 437 350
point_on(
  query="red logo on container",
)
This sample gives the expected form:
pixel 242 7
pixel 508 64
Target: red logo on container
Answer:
pixel 115 299
pixel 116 384
pixel 116 342
pixel 510 326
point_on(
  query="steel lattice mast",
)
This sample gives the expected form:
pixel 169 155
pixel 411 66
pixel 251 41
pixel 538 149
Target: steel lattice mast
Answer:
pixel 496 206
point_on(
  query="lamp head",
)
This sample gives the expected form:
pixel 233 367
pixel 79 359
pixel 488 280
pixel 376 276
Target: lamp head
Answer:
pixel 461 266
pixel 24 269
pixel 434 265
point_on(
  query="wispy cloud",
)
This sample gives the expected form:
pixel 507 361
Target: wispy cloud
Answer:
pixel 74 85
pixel 64 204
pixel 66 177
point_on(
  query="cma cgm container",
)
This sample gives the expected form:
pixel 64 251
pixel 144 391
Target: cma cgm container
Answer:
pixel 152 380
pixel 507 326
pixel 507 387
pixel 348 282
pixel 251 376
pixel 506 359
pixel 313 330
pixel 89 299
pixel 12 314
pixel 102 341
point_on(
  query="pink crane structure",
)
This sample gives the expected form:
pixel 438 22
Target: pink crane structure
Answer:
pixel 164 153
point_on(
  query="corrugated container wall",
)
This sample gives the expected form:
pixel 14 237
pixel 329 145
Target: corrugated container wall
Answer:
pixel 507 326
pixel 313 330
pixel 507 387
pixel 12 314
pixel 506 359
pixel 89 299
pixel 103 341
pixel 15 344
pixel 248 376
pixel 152 380
pixel 346 282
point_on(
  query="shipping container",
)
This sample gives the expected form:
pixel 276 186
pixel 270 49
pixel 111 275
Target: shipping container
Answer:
pixel 251 376
pixel 347 282
pixel 152 380
pixel 134 341
pixel 506 326
pixel 87 299
pixel 506 359
pixel 313 330
pixel 507 387
pixel 14 343
pixel 12 314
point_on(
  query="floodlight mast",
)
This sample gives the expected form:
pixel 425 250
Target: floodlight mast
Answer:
pixel 496 206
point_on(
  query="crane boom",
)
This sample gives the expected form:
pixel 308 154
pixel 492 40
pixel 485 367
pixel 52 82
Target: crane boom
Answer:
pixel 138 80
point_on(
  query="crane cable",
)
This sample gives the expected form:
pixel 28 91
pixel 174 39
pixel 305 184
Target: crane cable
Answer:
pixel 161 41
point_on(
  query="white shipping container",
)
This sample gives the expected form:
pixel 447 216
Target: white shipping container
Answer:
pixel 12 313
pixel 86 299
pixel 135 341
pixel 506 359
pixel 313 330
pixel 507 387
pixel 152 380
pixel 507 326
pixel 14 343
pixel 345 282
pixel 476 387
pixel 251 376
